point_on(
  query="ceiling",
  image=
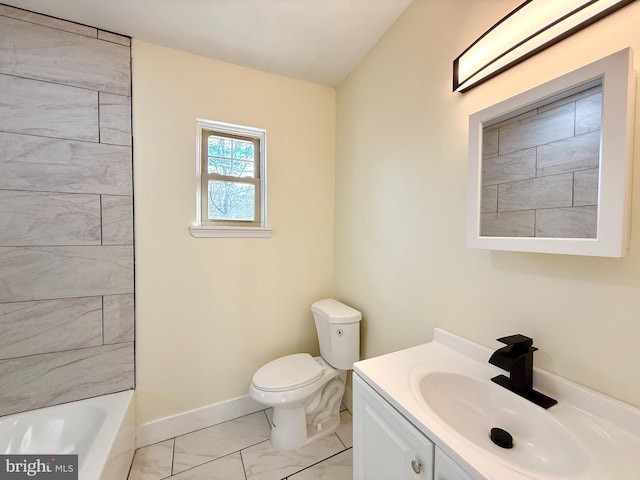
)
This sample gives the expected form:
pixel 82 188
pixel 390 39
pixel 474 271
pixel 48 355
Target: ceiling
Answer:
pixel 320 41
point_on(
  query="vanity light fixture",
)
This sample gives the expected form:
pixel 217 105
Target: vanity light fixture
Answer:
pixel 527 30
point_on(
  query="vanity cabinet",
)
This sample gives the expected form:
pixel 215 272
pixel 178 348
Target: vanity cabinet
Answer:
pixel 446 469
pixel 387 446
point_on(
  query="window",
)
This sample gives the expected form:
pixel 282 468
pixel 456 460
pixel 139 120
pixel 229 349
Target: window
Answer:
pixel 231 199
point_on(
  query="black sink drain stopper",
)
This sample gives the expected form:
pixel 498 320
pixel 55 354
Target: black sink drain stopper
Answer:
pixel 501 437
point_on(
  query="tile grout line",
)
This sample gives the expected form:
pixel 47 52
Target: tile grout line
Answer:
pixel 220 423
pixel 173 454
pixel 244 470
pixel 211 461
pixel 318 462
pixel 214 459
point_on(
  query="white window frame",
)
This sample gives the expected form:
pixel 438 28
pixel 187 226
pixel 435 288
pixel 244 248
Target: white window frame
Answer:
pixel 201 229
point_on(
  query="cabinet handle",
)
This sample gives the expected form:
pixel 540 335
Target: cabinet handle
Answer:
pixel 416 467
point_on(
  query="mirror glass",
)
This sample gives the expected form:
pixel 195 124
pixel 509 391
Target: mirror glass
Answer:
pixel 540 168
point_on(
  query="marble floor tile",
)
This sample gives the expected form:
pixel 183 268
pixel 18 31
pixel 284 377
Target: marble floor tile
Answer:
pixel 152 462
pixel 204 445
pixel 345 429
pixel 250 455
pixel 269 413
pixel 338 467
pixel 264 462
pixel 225 468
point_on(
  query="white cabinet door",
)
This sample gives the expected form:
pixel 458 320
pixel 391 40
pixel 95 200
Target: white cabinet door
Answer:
pixel 386 445
pixel 447 469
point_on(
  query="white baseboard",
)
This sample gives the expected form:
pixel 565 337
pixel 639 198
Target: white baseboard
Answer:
pixel 174 425
pixel 186 422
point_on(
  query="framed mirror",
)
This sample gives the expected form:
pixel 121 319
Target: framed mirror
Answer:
pixel 549 169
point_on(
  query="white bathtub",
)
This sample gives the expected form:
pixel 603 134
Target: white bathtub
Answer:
pixel 100 430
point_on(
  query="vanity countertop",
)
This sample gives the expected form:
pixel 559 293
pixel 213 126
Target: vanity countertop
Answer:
pixel 605 432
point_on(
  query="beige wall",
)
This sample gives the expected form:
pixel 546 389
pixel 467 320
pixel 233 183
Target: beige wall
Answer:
pixel 401 173
pixel 211 311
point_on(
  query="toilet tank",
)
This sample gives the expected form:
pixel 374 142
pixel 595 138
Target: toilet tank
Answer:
pixel 338 327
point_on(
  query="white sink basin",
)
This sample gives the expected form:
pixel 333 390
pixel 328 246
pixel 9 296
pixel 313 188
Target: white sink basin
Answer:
pixel 472 407
pixel 444 389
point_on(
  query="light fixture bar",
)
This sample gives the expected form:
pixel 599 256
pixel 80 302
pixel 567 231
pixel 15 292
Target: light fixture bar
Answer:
pixel 527 30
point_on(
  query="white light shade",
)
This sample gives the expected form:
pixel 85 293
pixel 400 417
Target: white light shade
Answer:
pixel 530 28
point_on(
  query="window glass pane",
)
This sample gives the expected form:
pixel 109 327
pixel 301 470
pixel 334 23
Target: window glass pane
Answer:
pixel 242 168
pixel 219 147
pixel 219 165
pixel 230 157
pixel 231 201
pixel 242 149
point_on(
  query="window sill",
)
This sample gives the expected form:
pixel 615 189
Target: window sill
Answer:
pixel 202 231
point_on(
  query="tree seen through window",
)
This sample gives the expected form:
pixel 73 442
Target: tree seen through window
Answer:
pixel 231 158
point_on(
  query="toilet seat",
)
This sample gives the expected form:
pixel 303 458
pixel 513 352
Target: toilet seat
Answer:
pixel 287 373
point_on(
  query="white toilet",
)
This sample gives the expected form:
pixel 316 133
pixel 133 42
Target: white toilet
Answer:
pixel 304 391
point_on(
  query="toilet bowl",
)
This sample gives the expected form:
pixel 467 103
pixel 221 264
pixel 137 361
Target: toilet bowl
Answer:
pixel 304 391
pixel 293 385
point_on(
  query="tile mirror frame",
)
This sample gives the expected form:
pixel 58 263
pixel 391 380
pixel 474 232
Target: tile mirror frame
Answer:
pixel 615 73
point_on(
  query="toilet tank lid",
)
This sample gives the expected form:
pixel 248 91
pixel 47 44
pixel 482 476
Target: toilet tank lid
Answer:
pixel 336 312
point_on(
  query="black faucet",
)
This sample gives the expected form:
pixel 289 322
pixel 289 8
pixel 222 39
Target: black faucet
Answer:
pixel 517 359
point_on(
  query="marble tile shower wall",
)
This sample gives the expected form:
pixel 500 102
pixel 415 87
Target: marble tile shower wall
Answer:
pixel 66 212
pixel 540 171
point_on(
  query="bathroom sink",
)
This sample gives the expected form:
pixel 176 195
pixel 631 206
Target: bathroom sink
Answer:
pixel 444 389
pixel 473 407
